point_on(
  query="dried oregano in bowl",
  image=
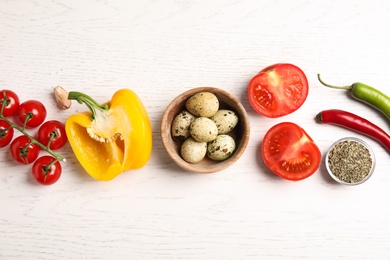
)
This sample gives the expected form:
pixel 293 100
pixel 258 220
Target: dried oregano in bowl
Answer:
pixel 350 161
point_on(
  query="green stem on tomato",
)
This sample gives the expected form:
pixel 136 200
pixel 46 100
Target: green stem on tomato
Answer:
pixel 88 101
pixel 46 168
pixel 4 101
pixel 53 135
pixel 2 131
pixel 33 140
pixel 26 119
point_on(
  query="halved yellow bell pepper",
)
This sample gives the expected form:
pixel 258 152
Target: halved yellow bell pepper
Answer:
pixel 112 137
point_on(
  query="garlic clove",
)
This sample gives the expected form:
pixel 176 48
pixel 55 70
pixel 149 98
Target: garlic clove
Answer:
pixel 61 97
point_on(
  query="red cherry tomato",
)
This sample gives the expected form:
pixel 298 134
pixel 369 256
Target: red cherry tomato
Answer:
pixel 52 131
pixel 290 152
pixel 278 90
pixel 10 100
pixel 46 170
pixel 23 151
pixel 34 111
pixel 6 133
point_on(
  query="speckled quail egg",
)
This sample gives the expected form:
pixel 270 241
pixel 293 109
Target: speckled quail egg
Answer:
pixel 221 148
pixel 225 120
pixel 193 151
pixel 203 129
pixel 203 104
pixel 181 125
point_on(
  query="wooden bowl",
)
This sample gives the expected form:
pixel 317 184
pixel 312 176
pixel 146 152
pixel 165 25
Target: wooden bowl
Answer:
pixel 240 133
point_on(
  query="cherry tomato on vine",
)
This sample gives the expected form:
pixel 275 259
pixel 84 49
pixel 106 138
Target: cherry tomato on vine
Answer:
pixel 23 151
pixel 34 111
pixel 278 90
pixel 290 152
pixel 46 170
pixel 6 133
pixel 52 131
pixel 10 100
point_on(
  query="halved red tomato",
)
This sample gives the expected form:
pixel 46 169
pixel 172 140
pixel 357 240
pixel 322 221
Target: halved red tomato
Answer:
pixel 290 152
pixel 278 90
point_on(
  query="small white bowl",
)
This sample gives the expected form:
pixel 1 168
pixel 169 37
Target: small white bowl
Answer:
pixel 347 158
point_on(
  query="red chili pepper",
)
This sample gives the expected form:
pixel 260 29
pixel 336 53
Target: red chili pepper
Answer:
pixel 355 123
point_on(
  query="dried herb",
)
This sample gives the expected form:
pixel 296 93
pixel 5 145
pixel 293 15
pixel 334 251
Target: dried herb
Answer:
pixel 350 161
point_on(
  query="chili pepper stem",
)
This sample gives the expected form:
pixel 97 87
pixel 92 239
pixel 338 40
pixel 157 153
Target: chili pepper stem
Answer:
pixel 331 86
pixel 88 101
pixel 318 118
pixel 33 140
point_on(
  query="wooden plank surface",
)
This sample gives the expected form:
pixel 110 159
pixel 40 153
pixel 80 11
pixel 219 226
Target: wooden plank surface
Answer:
pixel 163 48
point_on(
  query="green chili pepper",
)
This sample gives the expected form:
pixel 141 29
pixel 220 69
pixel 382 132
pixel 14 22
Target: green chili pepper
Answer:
pixel 366 94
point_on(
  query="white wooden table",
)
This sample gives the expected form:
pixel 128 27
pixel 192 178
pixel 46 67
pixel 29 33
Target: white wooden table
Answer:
pixel 160 49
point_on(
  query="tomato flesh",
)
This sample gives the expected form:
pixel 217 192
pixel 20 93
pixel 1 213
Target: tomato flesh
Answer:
pixel 278 90
pixel 289 152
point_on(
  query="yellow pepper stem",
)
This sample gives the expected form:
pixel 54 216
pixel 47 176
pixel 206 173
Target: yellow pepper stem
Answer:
pixel 88 101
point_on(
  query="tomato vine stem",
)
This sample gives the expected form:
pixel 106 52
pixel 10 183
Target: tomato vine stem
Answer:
pixel 33 140
pixel 46 168
pixel 4 101
pixel 26 119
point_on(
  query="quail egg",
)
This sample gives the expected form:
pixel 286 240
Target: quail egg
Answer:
pixel 204 104
pixel 203 129
pixel 181 125
pixel 221 148
pixel 225 120
pixel 193 151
